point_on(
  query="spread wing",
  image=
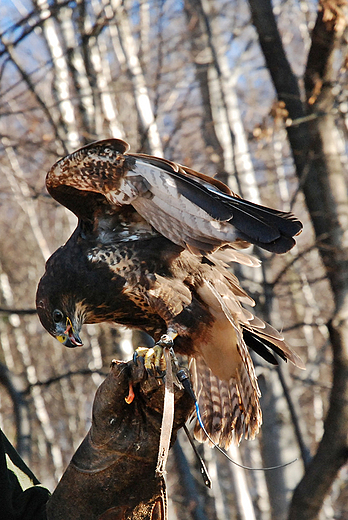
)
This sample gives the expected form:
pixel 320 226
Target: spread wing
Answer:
pixel 191 209
pixel 119 196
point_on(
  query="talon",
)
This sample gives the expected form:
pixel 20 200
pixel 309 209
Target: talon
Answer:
pixel 153 359
pixel 139 353
pixel 130 397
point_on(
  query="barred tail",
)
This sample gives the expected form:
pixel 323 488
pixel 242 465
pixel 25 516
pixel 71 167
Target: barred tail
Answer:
pixel 229 409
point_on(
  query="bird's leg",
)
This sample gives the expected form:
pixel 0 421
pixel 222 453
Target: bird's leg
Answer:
pixel 160 357
pixel 154 360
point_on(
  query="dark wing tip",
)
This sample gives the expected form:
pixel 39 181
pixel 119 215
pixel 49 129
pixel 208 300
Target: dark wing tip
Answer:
pixel 291 225
pixel 265 227
pixel 278 246
pixel 261 347
pixel 265 348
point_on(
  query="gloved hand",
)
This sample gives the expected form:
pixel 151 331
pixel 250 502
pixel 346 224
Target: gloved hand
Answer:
pixel 112 474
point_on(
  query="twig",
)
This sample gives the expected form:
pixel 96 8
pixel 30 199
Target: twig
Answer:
pixel 81 372
pixel 305 453
pixel 17 311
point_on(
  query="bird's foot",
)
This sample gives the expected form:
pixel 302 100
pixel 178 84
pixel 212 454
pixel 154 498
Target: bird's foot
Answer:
pixel 153 357
pixel 154 360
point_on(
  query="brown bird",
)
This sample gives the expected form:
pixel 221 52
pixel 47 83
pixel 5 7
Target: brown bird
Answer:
pixel 150 252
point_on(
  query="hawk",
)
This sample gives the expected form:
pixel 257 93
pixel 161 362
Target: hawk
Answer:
pixel 151 251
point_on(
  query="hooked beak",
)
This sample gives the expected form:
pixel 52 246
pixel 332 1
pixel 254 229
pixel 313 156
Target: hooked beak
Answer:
pixel 70 337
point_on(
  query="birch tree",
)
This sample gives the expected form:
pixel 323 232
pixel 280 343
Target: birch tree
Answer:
pixel 197 83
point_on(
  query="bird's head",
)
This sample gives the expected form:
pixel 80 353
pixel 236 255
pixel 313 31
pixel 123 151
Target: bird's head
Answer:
pixel 61 317
pixel 72 292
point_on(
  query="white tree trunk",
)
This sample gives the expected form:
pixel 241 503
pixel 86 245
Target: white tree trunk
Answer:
pixel 61 76
pixel 141 94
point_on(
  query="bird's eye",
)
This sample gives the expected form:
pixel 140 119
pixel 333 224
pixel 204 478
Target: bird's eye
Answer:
pixel 57 316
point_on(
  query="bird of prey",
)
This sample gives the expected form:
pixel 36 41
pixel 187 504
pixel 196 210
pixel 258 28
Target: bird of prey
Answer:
pixel 151 251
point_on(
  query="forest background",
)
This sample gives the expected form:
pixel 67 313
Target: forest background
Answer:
pixel 253 91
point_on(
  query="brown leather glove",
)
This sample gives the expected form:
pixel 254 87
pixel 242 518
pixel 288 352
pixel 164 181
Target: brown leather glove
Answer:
pixel 112 474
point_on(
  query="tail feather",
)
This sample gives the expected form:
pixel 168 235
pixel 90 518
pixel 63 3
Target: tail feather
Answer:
pixel 224 375
pixel 227 420
pixel 229 409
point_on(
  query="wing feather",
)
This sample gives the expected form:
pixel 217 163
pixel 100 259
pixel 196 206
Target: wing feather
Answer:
pixel 190 208
pixel 119 196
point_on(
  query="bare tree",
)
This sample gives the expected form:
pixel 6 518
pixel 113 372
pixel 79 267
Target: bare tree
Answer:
pixel 315 142
pixel 188 82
